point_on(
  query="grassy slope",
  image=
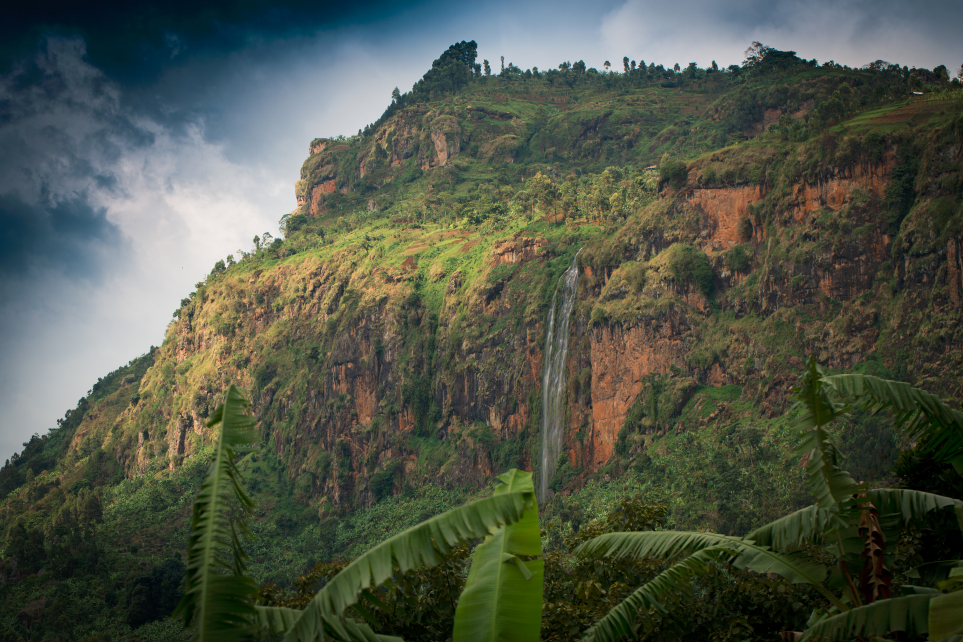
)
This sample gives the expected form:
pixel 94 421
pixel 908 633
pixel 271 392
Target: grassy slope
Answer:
pixel 732 467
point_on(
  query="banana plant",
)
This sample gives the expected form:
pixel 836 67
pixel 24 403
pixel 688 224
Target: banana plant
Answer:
pixel 421 546
pixel 502 599
pixel 219 598
pixel 922 416
pixel 849 519
pixel 218 595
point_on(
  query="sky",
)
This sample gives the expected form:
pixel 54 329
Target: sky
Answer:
pixel 141 142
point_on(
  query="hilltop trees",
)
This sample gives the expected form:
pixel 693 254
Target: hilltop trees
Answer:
pixel 761 58
pixel 464 52
pixel 755 54
pixel 453 70
pixel 456 69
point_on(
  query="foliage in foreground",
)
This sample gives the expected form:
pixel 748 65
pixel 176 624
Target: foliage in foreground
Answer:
pixel 822 545
pixel 219 597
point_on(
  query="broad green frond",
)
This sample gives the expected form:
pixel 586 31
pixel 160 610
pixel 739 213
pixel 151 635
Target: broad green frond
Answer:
pixel 921 413
pixel 909 503
pixel 933 572
pixel 833 487
pixel 664 544
pixel 792 531
pixel 744 553
pixel 794 568
pixel 946 616
pixel 623 620
pixel 277 619
pixel 908 614
pixel 421 546
pixel 502 599
pixel 909 589
pixel 805 526
pixel 218 597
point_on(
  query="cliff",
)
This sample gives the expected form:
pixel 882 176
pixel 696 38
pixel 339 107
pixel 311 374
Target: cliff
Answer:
pixel 393 340
pixel 388 335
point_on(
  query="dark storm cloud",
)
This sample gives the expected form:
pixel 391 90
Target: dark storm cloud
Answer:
pixel 133 40
pixel 53 80
pixel 62 133
pixel 107 218
pixel 70 237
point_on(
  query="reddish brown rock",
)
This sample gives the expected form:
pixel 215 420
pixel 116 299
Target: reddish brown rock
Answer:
pixel 621 357
pixel 518 250
pixel 722 209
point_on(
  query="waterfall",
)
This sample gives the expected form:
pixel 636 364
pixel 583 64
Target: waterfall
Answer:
pixel 553 375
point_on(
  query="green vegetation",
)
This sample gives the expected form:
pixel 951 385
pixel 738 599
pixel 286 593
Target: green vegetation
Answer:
pixel 500 600
pixel 847 520
pixel 728 224
pixel 690 266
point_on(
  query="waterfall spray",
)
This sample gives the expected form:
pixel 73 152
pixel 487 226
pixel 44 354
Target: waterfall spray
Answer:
pixel 553 376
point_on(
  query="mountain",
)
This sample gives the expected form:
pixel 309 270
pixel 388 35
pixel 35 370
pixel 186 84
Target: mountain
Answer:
pixel 667 245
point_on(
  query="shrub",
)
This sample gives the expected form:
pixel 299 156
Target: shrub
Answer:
pixel 635 275
pixel 412 171
pixel 564 473
pixel 673 172
pixel 738 259
pixel 873 147
pixel 304 486
pixel 383 481
pixel 483 435
pixel 294 223
pixel 690 265
pixel 901 192
pixel 264 375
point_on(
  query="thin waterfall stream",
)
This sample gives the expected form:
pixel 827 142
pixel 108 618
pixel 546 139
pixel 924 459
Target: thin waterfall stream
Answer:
pixel 553 375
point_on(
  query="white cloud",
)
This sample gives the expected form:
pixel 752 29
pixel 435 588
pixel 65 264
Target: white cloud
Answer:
pixel 179 204
pixel 179 201
pixel 851 32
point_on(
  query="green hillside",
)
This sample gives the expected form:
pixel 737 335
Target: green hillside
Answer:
pixel 725 223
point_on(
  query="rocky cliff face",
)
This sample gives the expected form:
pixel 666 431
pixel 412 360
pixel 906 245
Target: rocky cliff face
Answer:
pixel 794 268
pixel 372 364
pixel 415 348
pixel 622 357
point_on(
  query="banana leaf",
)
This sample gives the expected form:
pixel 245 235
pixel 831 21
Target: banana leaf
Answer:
pixel 218 596
pixel 502 599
